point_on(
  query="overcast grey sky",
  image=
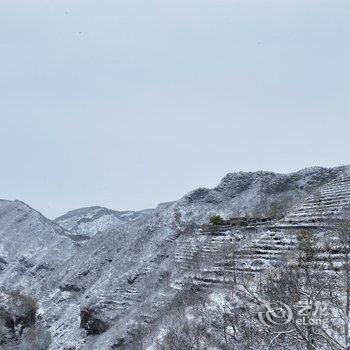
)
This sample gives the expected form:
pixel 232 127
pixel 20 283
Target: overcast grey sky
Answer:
pixel 126 104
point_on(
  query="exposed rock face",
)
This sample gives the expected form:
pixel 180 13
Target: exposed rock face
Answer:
pixel 6 319
pixel 117 284
pixel 92 324
pixel 21 310
pixel 18 324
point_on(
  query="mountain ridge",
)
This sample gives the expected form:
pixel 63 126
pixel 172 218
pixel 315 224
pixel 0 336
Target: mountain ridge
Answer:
pixel 99 293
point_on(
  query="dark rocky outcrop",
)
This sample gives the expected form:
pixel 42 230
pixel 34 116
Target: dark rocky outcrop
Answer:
pixel 6 319
pixel 18 324
pixel 22 309
pixel 92 324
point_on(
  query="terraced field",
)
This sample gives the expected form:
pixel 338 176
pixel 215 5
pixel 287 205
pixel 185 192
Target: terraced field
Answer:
pixel 224 254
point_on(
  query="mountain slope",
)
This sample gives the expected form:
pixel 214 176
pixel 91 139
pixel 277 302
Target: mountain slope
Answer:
pixel 91 220
pixel 249 193
pixel 104 292
pixel 31 246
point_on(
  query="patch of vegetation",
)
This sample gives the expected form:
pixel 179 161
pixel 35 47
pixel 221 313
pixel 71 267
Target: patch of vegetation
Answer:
pixel 306 244
pixel 277 210
pixel 216 220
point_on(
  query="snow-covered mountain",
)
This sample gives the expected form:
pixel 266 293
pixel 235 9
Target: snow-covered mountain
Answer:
pixel 91 220
pixel 25 234
pixel 248 193
pixel 113 289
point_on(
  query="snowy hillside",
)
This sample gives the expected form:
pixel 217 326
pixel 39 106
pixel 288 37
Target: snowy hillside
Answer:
pixel 248 193
pixel 25 233
pixel 91 220
pixel 113 290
